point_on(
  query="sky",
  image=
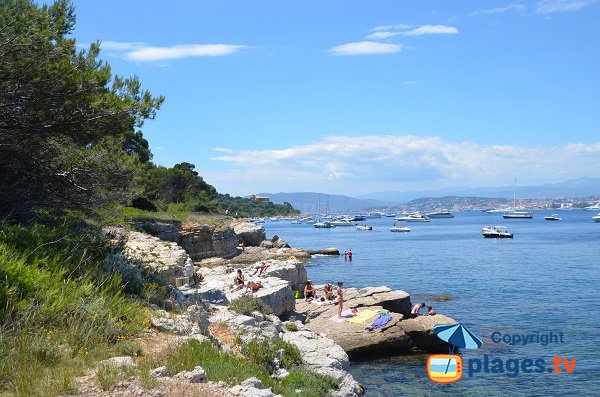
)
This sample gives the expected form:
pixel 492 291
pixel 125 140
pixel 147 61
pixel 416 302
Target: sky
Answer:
pixel 352 97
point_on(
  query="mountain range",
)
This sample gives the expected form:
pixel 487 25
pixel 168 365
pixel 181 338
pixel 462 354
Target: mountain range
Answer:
pixel 311 201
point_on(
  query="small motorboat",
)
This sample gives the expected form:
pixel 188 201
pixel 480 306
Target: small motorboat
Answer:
pixel 495 232
pixel 399 229
pixel 323 225
pixel 553 217
pixel 364 227
pixel 596 218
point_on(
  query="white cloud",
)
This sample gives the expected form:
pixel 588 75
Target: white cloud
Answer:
pixel 401 26
pixel 552 6
pixel 141 52
pixel 365 48
pixel 431 29
pixel 381 35
pixel 362 164
pixel 512 7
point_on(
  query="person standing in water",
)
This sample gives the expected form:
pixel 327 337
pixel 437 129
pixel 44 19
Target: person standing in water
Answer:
pixel 340 298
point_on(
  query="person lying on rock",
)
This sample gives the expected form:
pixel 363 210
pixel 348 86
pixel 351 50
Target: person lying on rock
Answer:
pixel 309 291
pixel 238 280
pixel 253 286
pixel 260 268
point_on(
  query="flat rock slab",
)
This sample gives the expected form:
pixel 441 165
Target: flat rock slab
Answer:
pixel 399 336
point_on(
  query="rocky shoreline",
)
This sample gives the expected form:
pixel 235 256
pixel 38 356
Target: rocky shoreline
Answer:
pixel 175 253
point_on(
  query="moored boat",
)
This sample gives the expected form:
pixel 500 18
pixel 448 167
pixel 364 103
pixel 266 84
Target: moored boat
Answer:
pixel 553 217
pixel 323 225
pixel 440 214
pixel 495 232
pixel 596 218
pixel 364 227
pixel 342 222
pixel 517 215
pixel 414 217
pixel 399 229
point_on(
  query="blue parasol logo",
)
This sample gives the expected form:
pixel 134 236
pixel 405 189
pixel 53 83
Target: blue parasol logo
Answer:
pixel 458 336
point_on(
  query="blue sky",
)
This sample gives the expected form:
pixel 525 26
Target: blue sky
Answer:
pixel 352 97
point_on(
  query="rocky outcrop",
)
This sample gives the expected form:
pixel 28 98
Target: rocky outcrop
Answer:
pixel 257 254
pixel 165 259
pixel 249 234
pixel 325 357
pixel 324 251
pixel 400 335
pixel 276 291
pixel 204 241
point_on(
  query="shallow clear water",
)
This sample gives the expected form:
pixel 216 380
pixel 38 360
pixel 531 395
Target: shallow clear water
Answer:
pixel 545 279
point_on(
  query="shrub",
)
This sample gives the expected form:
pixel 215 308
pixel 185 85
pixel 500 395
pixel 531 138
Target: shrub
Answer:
pixel 247 304
pixel 107 375
pixel 130 273
pixel 143 204
pixel 265 352
pixel 311 384
pixel 129 348
pixel 291 326
pixel 153 293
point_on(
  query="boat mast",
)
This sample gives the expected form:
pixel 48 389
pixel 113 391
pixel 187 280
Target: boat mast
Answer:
pixel 515 196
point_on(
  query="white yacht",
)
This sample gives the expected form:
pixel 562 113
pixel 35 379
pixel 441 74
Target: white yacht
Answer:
pixel 514 214
pixel 553 217
pixel 495 232
pixel 323 225
pixel 415 217
pixel 364 227
pixel 342 222
pixel 440 214
pixel 399 229
pixel 596 218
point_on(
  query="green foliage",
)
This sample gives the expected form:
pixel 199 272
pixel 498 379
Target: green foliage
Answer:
pixel 68 133
pixel 248 208
pixel 143 204
pixel 311 384
pixel 221 366
pixel 128 347
pixel 247 304
pixel 291 326
pixel 264 352
pixel 107 375
pixel 58 307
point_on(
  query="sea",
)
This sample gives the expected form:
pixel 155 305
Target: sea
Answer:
pixel 544 281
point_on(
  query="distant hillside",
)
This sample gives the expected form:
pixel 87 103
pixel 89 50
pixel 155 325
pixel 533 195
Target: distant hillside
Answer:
pixel 581 187
pixel 308 201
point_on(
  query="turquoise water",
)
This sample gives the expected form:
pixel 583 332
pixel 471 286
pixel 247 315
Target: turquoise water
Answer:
pixel 546 279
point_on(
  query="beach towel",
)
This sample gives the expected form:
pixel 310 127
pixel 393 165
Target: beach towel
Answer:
pixel 346 314
pixel 381 321
pixel 363 316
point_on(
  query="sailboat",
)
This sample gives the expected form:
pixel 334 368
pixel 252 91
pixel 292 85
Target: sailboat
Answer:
pixel 514 214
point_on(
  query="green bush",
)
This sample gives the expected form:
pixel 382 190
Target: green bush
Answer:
pixel 247 304
pixel 291 326
pixel 128 347
pixel 59 307
pixel 311 384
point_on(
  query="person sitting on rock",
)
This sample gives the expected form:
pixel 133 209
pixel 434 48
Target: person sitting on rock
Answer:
pixel 309 291
pixel 430 311
pixel 238 280
pixel 328 291
pixel 415 310
pixel 253 286
pixel 260 268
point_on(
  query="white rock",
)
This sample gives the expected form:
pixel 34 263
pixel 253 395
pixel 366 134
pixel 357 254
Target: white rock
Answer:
pixel 197 375
pixel 159 372
pixel 124 361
